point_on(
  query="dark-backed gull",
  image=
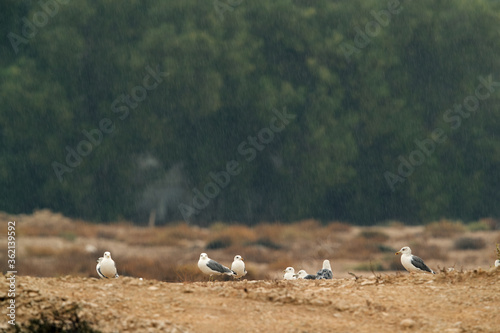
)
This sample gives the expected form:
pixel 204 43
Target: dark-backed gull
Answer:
pixel 106 267
pixel 212 267
pixel 413 263
pixel 325 272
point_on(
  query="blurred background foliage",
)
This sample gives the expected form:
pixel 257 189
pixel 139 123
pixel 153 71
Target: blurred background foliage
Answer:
pixel 229 66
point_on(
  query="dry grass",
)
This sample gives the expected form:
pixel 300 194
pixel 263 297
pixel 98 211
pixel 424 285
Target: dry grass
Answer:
pixel 470 243
pixel 374 235
pixel 170 253
pixel 184 231
pixel 269 231
pixel 444 228
pixel 281 263
pixel 43 251
pixel 428 251
pixel 358 248
pixel 260 254
pixel 232 235
pixel 338 227
pixel 365 245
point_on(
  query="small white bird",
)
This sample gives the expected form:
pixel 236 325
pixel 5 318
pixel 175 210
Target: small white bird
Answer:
pixel 212 267
pixel 289 274
pixel 325 272
pixel 238 266
pixel 412 263
pixel 106 267
pixel 302 274
pixel 497 262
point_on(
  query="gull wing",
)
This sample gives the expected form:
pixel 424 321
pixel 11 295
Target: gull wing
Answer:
pixel 215 266
pixel 419 263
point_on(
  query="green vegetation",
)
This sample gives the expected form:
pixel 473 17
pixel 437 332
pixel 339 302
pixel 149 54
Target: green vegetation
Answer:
pixel 274 110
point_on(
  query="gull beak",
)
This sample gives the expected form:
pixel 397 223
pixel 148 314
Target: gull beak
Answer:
pixel 242 259
pixel 398 253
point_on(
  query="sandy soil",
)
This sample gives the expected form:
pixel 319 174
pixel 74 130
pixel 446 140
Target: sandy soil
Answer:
pixel 446 302
pixel 56 258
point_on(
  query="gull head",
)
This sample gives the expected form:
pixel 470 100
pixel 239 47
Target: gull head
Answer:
pixel 405 250
pixel 301 274
pixel 289 270
pixel 203 256
pixel 326 264
pixel 107 255
pixel 238 257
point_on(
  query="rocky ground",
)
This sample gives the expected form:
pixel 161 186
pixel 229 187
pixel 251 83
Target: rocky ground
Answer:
pixel 447 302
pixel 57 285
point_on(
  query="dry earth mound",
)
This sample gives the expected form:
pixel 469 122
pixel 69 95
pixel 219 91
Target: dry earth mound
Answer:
pixel 446 302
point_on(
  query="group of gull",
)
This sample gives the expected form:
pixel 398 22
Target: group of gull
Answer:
pixel 324 273
pixel 211 267
pixel 106 267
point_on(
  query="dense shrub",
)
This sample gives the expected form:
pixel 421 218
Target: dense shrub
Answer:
pixel 470 243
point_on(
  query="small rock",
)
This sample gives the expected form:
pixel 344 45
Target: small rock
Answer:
pixel 407 323
pixel 453 330
pixel 364 283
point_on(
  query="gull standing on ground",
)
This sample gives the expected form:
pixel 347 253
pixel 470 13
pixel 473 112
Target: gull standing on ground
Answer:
pixel 106 267
pixel 238 266
pixel 302 274
pixel 325 272
pixel 497 262
pixel 212 267
pixel 289 274
pixel 413 263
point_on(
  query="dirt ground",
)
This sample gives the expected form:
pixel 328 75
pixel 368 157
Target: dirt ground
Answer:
pixel 370 290
pixel 446 302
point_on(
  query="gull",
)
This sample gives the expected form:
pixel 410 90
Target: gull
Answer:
pixel 413 263
pixel 497 262
pixel 302 274
pixel 106 266
pixel 289 274
pixel 238 266
pixel 325 272
pixel 212 267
